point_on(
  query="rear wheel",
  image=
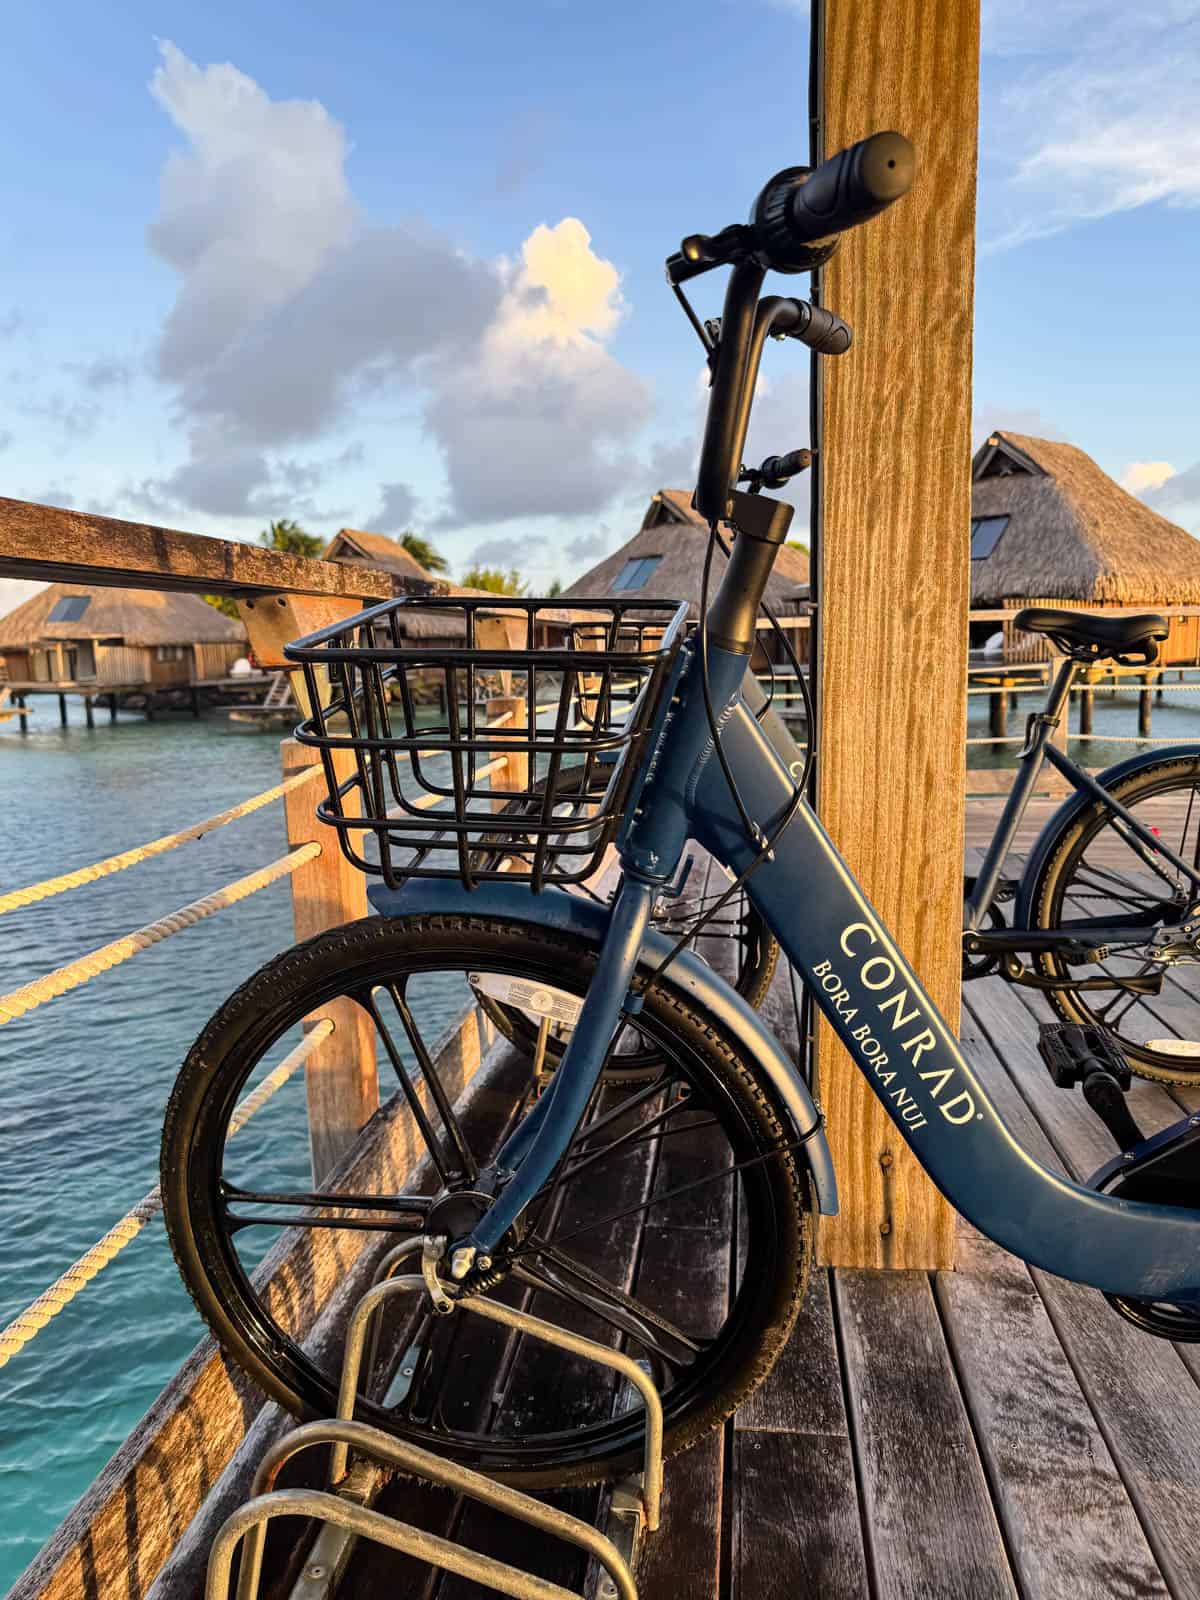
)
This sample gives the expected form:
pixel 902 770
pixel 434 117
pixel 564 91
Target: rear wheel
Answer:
pixel 679 1224
pixel 1096 870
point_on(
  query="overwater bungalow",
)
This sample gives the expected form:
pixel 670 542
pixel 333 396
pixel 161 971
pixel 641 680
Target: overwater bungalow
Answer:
pixel 666 557
pixel 69 635
pixel 376 550
pixel 1050 528
pixel 130 647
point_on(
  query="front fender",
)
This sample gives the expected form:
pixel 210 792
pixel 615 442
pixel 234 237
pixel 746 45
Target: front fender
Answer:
pixel 1072 808
pixel 572 913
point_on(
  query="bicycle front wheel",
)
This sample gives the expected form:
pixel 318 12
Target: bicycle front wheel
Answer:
pixel 679 1225
pixel 1096 870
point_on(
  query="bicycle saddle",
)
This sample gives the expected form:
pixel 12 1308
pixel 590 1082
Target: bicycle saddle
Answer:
pixel 1091 637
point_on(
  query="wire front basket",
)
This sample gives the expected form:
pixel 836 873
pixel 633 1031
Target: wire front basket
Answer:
pixel 487 737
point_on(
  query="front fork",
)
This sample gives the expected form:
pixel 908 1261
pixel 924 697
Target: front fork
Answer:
pixel 536 1145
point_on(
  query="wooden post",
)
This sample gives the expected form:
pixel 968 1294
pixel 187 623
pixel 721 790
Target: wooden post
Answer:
pixel 894 565
pixel 1145 702
pixel 112 706
pixel 998 714
pixel 62 709
pixel 23 713
pixel 343 1087
pixel 514 776
pixel 1086 704
pixel 89 714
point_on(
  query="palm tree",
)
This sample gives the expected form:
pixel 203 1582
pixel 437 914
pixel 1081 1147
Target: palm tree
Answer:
pixel 420 549
pixel 291 539
pixel 494 579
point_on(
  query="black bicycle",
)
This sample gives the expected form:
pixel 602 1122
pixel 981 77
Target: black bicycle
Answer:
pixel 1107 905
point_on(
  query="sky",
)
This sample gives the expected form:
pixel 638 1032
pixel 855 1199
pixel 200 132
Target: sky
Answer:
pixel 393 266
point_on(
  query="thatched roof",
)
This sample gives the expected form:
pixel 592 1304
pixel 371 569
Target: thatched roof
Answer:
pixel 1072 533
pixel 375 550
pixel 135 616
pixel 674 533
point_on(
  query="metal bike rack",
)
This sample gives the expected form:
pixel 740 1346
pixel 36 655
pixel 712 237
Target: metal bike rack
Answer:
pixel 345 1516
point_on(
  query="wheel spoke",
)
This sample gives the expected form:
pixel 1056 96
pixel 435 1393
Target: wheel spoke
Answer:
pixel 557 1273
pixel 634 1135
pixel 410 1204
pixel 420 1116
pixel 430 1074
pixel 236 1223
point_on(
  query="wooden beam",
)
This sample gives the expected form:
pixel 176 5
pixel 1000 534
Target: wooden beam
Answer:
pixel 897 506
pixel 340 1074
pixel 60 546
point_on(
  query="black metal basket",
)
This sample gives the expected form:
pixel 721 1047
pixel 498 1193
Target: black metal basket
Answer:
pixel 486 737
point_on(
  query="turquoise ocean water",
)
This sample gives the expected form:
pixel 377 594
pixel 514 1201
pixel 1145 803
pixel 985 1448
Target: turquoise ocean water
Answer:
pixel 83 1080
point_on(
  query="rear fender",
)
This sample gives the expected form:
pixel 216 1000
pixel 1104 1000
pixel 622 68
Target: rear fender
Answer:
pixel 571 913
pixel 1072 808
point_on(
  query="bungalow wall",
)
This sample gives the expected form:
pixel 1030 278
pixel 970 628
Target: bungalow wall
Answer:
pixel 119 663
pixel 215 660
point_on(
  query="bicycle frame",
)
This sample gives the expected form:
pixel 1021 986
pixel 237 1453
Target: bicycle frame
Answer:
pixel 1036 751
pixel 857 976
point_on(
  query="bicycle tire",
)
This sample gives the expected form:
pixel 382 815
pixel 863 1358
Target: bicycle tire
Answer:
pixel 1062 878
pixel 776 1221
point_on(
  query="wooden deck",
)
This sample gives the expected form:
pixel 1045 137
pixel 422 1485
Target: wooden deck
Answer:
pixel 988 1432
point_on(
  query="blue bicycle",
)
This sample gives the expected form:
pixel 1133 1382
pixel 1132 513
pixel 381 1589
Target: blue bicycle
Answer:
pixel 703 1178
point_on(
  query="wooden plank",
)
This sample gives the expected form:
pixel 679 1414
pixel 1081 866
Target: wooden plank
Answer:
pixel 120 1533
pixel 897 501
pixel 1070 1527
pixel 340 1074
pixel 61 546
pixel 796 1530
pixel 796 1524
pixel 1145 1404
pixel 931 1529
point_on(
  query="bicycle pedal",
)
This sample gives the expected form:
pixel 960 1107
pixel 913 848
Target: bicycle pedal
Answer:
pixel 1073 1051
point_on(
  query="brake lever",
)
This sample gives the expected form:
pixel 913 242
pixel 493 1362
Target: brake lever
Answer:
pixel 775 470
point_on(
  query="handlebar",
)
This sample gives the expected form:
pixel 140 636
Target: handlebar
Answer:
pixel 793 226
pixel 799 210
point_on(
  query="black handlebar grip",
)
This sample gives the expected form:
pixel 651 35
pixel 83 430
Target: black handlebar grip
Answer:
pixel 779 468
pixel 852 187
pixel 824 332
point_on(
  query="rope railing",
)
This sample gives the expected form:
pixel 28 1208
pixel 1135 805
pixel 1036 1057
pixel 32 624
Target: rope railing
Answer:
pixel 16 898
pixel 37 992
pixel 30 1322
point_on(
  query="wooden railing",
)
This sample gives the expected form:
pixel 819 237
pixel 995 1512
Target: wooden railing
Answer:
pixel 125 1528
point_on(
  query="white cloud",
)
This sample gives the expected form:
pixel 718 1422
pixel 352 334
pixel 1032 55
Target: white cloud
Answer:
pixel 540 419
pixel 1101 114
pixel 1142 475
pixel 15 591
pixel 294 308
pixel 249 210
